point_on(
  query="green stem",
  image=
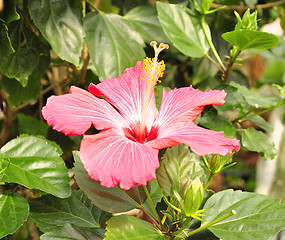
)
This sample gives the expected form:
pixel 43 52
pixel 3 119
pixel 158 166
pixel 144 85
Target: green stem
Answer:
pixel 231 213
pixel 209 181
pixel 153 207
pixel 245 114
pixel 263 111
pixel 208 37
pixel 184 226
pixel 236 52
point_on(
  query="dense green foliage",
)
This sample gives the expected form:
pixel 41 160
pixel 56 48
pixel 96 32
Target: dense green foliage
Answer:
pixel 46 46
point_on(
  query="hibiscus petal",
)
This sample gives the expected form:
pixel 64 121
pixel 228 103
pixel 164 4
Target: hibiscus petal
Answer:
pixel 73 113
pixel 179 106
pixel 127 94
pixel 111 158
pixel 201 141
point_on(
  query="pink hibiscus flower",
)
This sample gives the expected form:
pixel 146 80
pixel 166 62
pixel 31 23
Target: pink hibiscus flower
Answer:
pixel 125 151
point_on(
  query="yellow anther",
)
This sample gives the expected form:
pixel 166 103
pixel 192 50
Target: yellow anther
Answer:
pixel 153 69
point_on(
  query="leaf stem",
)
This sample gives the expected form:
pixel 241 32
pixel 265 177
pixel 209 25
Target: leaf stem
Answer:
pixel 147 213
pixel 153 207
pixel 213 61
pixel 245 114
pixel 208 37
pixel 231 213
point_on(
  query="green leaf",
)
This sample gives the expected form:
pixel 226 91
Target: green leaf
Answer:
pixel 262 123
pixel 9 13
pixel 155 195
pixel 178 168
pixel 146 22
pixel 128 227
pixel 183 28
pixel 14 211
pixel 258 141
pixel 232 100
pixel 5 43
pixel 51 214
pixel 107 7
pixel 30 125
pixel 257 217
pixel 203 69
pixel 35 163
pixel 218 123
pixel 250 2
pixel 19 94
pixel 72 232
pixel 60 22
pixel 253 98
pixel 20 65
pixel 113 44
pixel 206 5
pixel 109 199
pixel 249 39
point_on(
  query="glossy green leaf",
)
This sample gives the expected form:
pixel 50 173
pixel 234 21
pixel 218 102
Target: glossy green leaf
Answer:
pixel 14 211
pixel 72 232
pixel 183 28
pixel 51 214
pixel 206 5
pixel 109 199
pixel 262 123
pixel 35 163
pixel 203 69
pixel 258 141
pixel 156 194
pixel 178 168
pixel 249 39
pixel 257 216
pixel 20 65
pixel 218 123
pixel 147 24
pixel 30 125
pixel 113 44
pixel 60 22
pixel 5 43
pixel 232 100
pixel 19 94
pixel 9 13
pixel 128 227
pixel 253 98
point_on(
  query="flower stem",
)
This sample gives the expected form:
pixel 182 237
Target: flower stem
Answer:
pixel 209 181
pixel 208 37
pixel 153 207
pixel 231 213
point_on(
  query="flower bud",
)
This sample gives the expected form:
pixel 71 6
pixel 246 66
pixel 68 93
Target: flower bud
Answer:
pixel 193 197
pixel 215 163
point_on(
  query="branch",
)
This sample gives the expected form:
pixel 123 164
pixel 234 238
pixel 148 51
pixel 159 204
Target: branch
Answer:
pixel 46 90
pixel 86 58
pixel 244 8
pixel 8 118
